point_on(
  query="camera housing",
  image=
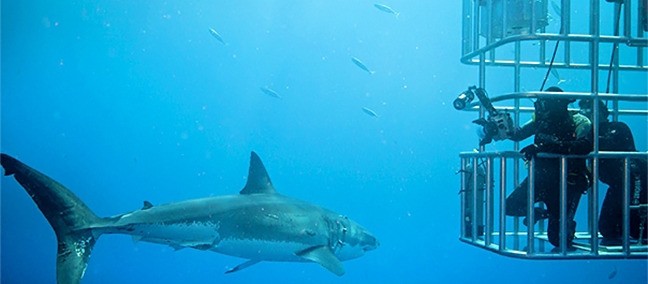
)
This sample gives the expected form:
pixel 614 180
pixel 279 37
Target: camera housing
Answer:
pixel 465 98
pixel 498 126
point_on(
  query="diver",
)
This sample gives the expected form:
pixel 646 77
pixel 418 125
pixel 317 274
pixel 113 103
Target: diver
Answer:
pixel 643 19
pixel 556 130
pixel 617 136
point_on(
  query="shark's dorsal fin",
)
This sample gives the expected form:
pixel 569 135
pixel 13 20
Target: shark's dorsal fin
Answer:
pixel 324 257
pixel 147 205
pixel 258 181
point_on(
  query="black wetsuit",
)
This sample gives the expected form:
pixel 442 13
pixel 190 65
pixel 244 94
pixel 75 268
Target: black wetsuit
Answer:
pixel 616 136
pixel 558 136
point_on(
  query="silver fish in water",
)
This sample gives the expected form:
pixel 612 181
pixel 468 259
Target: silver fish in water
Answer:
pixel 362 66
pixel 613 273
pixel 386 9
pixel 554 72
pixel 369 112
pixel 270 92
pixel 216 35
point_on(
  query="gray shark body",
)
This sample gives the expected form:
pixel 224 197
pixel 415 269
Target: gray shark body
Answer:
pixel 258 224
pixel 258 227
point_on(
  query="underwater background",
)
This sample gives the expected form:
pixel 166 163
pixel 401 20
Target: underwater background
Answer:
pixel 126 101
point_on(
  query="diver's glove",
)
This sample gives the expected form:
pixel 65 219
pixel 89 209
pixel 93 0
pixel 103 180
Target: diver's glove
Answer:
pixel 487 132
pixel 529 152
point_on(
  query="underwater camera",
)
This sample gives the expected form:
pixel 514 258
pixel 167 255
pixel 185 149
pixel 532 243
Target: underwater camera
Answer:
pixel 498 126
pixel 465 98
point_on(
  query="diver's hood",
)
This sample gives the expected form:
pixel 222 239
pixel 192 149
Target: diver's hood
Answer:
pixel 547 105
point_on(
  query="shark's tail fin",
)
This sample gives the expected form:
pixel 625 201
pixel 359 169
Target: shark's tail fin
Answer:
pixel 70 218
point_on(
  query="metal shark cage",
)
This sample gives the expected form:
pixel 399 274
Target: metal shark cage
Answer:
pixel 520 34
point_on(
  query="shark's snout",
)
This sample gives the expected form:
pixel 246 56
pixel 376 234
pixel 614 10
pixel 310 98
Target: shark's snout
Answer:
pixel 369 242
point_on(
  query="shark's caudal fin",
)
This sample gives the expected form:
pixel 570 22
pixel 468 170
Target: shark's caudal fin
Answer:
pixel 70 218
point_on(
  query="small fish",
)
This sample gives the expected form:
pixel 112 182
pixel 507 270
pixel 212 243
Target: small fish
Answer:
pixel 270 92
pixel 362 66
pixel 556 8
pixel 561 81
pixel 369 112
pixel 554 72
pixel 386 9
pixel 613 273
pixel 216 35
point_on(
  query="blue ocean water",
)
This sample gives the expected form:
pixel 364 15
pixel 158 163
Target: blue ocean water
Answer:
pixel 125 101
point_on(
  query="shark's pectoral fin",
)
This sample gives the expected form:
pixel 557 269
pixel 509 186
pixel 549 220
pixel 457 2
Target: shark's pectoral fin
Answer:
pixel 325 257
pixel 243 265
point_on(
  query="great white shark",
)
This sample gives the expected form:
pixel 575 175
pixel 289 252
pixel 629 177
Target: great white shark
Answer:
pixel 258 224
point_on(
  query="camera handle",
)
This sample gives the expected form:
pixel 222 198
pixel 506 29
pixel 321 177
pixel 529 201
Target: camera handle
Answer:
pixel 498 126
